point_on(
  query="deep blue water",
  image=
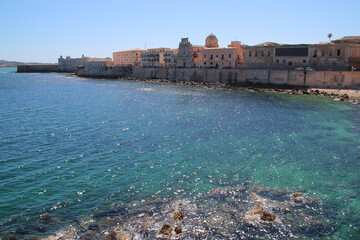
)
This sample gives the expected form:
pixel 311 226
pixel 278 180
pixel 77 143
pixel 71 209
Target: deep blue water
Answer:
pixel 71 146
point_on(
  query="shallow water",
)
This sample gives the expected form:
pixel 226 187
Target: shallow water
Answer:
pixel 74 148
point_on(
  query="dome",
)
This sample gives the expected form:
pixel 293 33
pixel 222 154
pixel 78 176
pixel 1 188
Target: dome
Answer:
pixel 211 41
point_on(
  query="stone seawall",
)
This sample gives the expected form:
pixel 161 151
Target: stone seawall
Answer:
pixel 39 68
pixel 105 72
pixel 235 77
pixel 261 77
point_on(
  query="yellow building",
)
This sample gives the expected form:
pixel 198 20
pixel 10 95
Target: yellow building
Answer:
pixel 130 57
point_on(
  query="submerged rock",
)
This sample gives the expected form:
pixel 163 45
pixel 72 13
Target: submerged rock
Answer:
pixel 94 226
pixel 266 216
pixel 178 229
pixel 257 209
pixel 297 195
pixel 178 216
pixel 46 218
pixel 165 229
pixel 112 212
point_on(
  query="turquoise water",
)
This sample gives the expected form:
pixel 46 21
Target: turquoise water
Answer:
pixel 72 147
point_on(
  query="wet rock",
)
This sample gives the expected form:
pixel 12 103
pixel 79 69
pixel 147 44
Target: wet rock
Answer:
pixel 266 216
pixel 88 235
pixel 257 209
pixel 115 235
pixel 345 96
pixel 178 216
pixel 165 229
pixel 178 229
pixel 254 195
pixel 69 235
pixel 94 226
pixel 297 195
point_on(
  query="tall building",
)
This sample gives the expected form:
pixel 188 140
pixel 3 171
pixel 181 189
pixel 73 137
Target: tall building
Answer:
pixel 214 57
pixel 184 58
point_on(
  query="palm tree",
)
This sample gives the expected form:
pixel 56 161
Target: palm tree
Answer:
pixel 329 36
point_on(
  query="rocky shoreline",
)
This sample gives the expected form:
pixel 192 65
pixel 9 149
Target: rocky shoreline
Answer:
pixel 329 93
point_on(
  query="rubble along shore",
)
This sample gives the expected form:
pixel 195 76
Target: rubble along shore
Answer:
pixel 337 95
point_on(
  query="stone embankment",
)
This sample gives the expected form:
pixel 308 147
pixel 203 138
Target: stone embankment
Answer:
pixel 213 77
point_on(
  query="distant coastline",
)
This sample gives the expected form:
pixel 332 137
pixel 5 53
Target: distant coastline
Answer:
pixel 10 64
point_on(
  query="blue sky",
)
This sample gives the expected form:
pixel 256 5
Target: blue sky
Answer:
pixel 42 30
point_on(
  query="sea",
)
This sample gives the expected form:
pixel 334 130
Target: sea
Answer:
pixel 92 155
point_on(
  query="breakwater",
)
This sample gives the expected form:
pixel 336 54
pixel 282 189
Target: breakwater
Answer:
pixel 37 68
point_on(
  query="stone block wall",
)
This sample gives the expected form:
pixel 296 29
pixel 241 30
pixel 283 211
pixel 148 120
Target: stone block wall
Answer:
pixel 37 68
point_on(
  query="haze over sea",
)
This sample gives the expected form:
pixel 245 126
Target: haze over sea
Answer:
pixel 74 148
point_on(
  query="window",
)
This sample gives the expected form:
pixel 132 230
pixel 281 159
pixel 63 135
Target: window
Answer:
pixel 222 56
pixel 217 56
pixel 256 53
pixel 277 60
pixel 338 52
pixel 315 53
pixel 262 53
pixel 269 53
pixel 283 61
pixel 204 63
pixel 204 55
pixel 322 53
pixel 229 55
pixel 330 53
pixel 211 56
pixel 211 63
pixel 250 53
pixel 304 61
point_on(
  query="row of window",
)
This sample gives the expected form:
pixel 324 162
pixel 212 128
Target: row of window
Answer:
pixel 338 52
pixel 262 53
pixel 211 64
pixel 126 54
pixel 217 56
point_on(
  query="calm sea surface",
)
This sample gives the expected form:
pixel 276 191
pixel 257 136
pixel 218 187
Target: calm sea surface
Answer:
pixel 72 147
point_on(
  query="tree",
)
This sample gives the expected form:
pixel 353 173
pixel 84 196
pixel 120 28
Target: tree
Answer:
pixel 329 36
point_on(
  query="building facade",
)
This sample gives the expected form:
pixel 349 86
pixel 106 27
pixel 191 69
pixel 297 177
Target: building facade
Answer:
pixel 214 57
pixel 184 58
pixel 169 58
pixel 69 64
pixel 130 57
pixel 153 57
pixel 325 56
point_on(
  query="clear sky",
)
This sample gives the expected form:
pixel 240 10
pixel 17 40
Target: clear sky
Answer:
pixel 42 30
